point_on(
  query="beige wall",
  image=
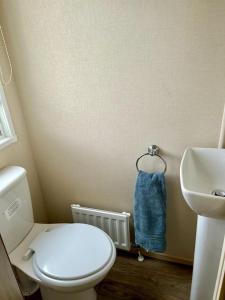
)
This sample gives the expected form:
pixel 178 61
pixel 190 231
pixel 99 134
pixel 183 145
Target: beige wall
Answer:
pixel 101 80
pixel 20 153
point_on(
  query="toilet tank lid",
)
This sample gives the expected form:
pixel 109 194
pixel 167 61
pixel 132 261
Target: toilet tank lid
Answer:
pixel 9 176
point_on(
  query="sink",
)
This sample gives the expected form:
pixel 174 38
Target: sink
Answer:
pixel 202 171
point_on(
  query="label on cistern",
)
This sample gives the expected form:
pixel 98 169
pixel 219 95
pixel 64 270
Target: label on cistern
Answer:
pixel 13 208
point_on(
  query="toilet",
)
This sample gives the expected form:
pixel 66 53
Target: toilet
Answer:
pixel 66 260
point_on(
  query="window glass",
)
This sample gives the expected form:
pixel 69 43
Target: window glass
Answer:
pixel 7 133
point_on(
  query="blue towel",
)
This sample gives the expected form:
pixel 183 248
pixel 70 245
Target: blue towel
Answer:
pixel 150 211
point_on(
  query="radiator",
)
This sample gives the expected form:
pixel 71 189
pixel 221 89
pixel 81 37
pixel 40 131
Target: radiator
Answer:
pixel 115 224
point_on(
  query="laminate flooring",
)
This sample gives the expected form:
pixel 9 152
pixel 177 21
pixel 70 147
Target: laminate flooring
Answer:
pixel 151 279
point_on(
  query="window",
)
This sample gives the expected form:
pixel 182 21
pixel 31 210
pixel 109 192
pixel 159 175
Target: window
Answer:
pixel 7 133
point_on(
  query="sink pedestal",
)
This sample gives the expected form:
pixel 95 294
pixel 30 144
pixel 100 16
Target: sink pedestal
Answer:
pixel 208 247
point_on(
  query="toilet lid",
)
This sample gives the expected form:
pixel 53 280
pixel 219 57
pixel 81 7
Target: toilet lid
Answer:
pixel 71 251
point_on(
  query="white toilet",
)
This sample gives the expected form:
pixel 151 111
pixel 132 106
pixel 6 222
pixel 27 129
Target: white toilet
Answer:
pixel 66 260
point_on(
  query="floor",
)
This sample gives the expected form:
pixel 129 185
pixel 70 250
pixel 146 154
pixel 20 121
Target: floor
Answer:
pixel 149 280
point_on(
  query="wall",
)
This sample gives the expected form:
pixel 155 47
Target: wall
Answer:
pixel 101 80
pixel 9 288
pixel 20 153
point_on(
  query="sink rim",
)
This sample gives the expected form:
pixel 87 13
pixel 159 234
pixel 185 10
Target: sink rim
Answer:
pixel 201 202
pixel 183 186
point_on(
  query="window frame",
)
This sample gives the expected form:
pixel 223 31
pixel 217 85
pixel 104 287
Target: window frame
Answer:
pixel 5 118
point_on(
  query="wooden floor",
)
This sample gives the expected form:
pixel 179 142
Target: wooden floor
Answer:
pixel 148 280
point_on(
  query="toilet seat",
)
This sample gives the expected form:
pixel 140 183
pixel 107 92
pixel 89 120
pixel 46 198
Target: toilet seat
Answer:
pixel 70 253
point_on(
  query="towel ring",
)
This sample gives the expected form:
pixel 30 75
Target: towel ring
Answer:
pixel 153 150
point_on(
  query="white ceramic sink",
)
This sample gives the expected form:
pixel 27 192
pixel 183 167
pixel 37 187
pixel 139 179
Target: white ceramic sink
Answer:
pixel 202 170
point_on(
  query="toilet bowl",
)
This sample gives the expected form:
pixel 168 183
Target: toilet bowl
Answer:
pixel 66 260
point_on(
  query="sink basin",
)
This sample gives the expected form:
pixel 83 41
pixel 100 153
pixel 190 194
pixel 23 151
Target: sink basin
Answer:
pixel 202 171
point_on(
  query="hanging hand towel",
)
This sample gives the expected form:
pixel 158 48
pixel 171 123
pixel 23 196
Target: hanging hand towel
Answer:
pixel 150 211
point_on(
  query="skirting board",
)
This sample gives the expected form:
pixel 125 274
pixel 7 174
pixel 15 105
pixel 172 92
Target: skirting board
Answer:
pixel 164 256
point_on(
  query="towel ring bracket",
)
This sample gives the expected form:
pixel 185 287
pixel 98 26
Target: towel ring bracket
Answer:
pixel 153 150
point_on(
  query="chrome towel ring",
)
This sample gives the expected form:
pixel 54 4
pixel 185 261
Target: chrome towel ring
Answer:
pixel 153 150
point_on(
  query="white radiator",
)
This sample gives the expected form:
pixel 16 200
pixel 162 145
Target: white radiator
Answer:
pixel 116 225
